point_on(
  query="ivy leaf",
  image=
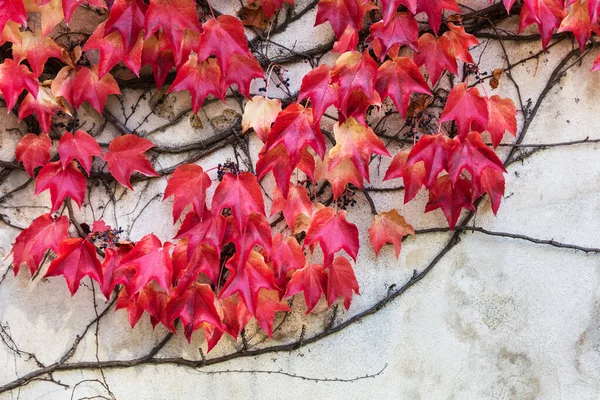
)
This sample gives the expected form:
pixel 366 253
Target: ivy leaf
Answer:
pixel 45 233
pixel 434 10
pixel 259 114
pixel 333 233
pixel 79 146
pixel 127 17
pixel 401 30
pixel 339 176
pixel 242 194
pixel 491 182
pixel 287 256
pixel 257 233
pixel 242 70
pixel 547 14
pixel 434 151
pixel 435 54
pixel 172 17
pixel 296 205
pixel 235 315
pixel 195 307
pixel 69 7
pixel 148 260
pixel 150 299
pixel 33 151
pixel 341 282
pixel 389 7
pixel 158 53
pixel 312 281
pixel 248 279
pixel 15 77
pixel 343 13
pixel 451 198
pixel 413 176
pixel 201 79
pixel 389 227
pixel 52 15
pixel 270 6
pixel 76 259
pixel 502 118
pixel 399 79
pixel 126 155
pixel 90 87
pixel 473 155
pixel 61 183
pixel 223 37
pixel 316 86
pixel 12 10
pixel 207 228
pixel 184 178
pixel 36 50
pixel 268 304
pixel 460 41
pixel 356 142
pixel 278 161
pixel 111 262
pixel 204 259
pixel 465 106
pixel 44 106
pixel 63 84
pixel 578 21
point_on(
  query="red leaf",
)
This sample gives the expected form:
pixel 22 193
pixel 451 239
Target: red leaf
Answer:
pixel 434 151
pixel 347 42
pixel 12 10
pixel 435 54
pixel 412 176
pixel 33 151
pixel 339 176
pixel 148 299
pixel 465 106
pixel 148 260
pixel 209 229
pixel 389 7
pixel 111 262
pixel 126 155
pixel 172 17
pixel 79 146
pixel 241 71
pixel 204 259
pixel 547 14
pixel 201 79
pixel 62 183
pixel 278 161
pixel 578 21
pixel 297 203
pixel 223 37
pixel 188 185
pixel 127 18
pixel 450 198
pixel 15 77
pixel 247 279
pixel 341 282
pixel 460 41
pixel 333 233
pixel 63 84
pixel 343 13
pixel 502 118
pixel 158 53
pixel 259 114
pixel 399 79
pixel 473 155
pixel 196 306
pixel 316 85
pixel 45 233
pixel 492 183
pixel 401 30
pixel 268 304
pixel 389 227
pixel 312 281
pixel 242 194
pixel 257 233
pixel 36 51
pixel 69 7
pixel 270 6
pixel 89 86
pixel 235 315
pixel 76 259
pixel 287 256
pixel 44 106
pixel 434 10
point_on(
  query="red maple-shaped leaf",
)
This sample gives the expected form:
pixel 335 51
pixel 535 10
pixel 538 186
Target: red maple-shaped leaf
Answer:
pixel 412 176
pixel 207 228
pixel 79 146
pixel 270 6
pixel 247 279
pixel 69 181
pixel 112 51
pixel 195 307
pixel 343 13
pixel 287 256
pixel 434 151
pixel 356 142
pixel 242 70
pixel 465 106
pixel 36 50
pixel 341 282
pixel 339 176
pixel 491 182
pixel 312 281
pixel 297 204
pixel 69 6
pixel 399 79
pixel 257 233
pixel 333 233
pixel 296 129
pixel 242 194
pixel 389 227
pixel 401 30
pixel 148 260
pixel 126 155
pixel 12 10
pixel 90 87
pixel 578 21
pixel 278 161
pixel 188 185
pixel 460 41
pixel 451 198
pixel 158 53
pixel 502 118
pixel 76 259
pixel 15 77
pixel 172 17
pixel 111 262
pixel 150 299
pixel 127 18
pixel 63 84
pixel 435 54
pixel 473 155
pixel 347 42
pixel 223 37
pixel 268 304
pixel 389 7
pixel 434 10
pixel 44 106
pixel 547 14
pixel 45 233
pixel 259 114
pixel 316 86
pixel 201 79
pixel 33 151
pixel 235 315
pixel 204 259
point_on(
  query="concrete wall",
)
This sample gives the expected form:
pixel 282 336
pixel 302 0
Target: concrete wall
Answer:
pixel 496 317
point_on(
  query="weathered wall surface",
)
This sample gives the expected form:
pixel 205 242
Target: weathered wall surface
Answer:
pixel 496 317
